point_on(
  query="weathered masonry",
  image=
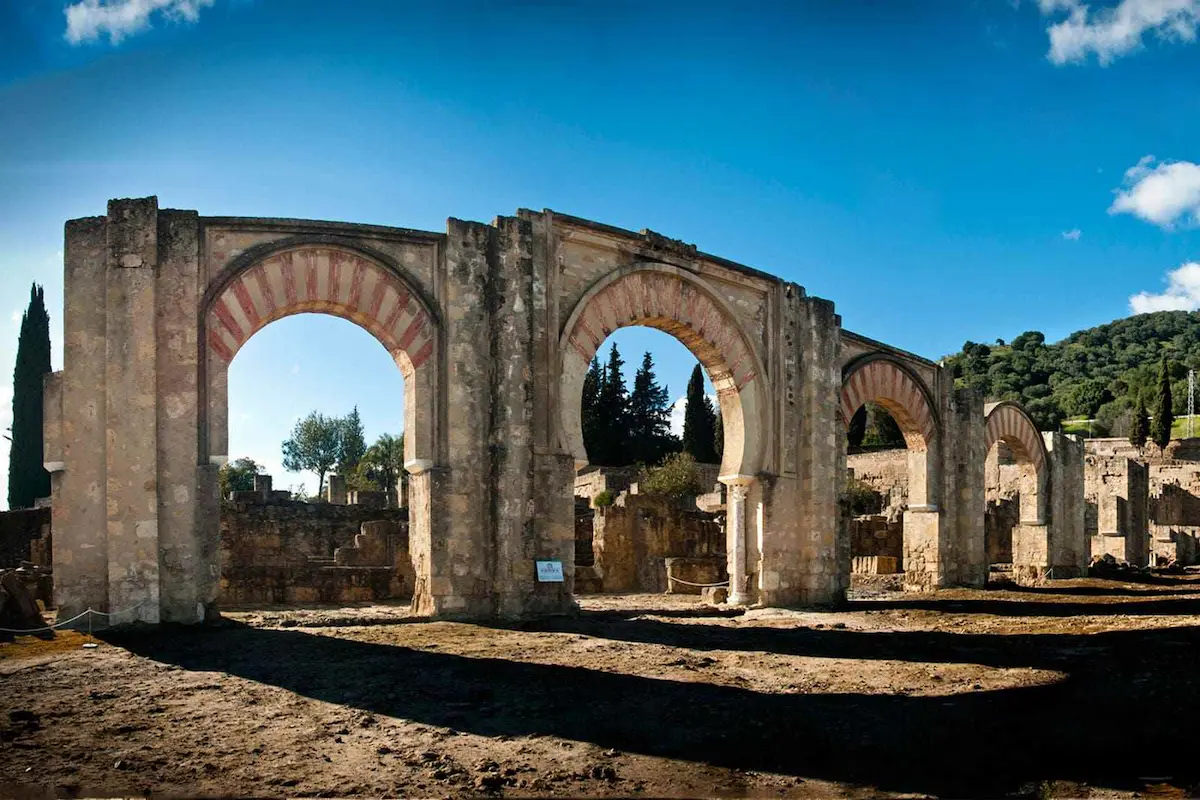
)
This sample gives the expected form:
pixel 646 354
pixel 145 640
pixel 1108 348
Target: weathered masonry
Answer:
pixel 493 327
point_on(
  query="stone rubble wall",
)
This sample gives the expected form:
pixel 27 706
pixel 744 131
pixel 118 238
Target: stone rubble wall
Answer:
pixel 285 552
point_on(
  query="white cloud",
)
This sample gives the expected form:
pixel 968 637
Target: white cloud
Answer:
pixel 1182 294
pixel 1114 31
pixel 676 415
pixel 1161 193
pixel 1072 235
pixel 92 19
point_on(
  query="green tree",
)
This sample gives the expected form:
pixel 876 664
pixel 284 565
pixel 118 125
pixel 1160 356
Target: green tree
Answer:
pixel 698 421
pixel 675 478
pixel 384 460
pixel 238 476
pixel 353 444
pixel 593 424
pixel 314 446
pixel 881 429
pixel 1160 426
pixel 649 423
pixel 27 478
pixel 1140 430
pixel 612 411
pixel 719 435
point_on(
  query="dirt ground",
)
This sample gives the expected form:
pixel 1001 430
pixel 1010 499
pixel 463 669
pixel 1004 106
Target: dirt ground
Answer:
pixel 1081 688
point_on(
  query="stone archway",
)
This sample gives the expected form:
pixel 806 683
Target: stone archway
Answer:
pixel 1031 538
pixel 340 280
pixel 683 305
pixel 876 378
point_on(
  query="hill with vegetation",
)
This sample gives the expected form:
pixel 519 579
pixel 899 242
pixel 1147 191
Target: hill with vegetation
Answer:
pixel 1095 374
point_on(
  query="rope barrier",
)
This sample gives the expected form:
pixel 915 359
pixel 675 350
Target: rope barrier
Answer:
pixel 87 613
pixel 699 585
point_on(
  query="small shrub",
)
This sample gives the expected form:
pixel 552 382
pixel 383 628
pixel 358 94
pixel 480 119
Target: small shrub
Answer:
pixel 675 477
pixel 604 499
pixel 861 499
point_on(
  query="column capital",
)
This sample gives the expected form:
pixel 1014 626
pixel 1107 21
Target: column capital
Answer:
pixel 736 480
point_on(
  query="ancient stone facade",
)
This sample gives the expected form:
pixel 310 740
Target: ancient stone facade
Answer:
pixel 492 327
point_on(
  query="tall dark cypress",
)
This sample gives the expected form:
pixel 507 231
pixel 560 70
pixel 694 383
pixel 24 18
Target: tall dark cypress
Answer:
pixel 698 421
pixel 613 411
pixel 27 479
pixel 593 426
pixel 649 417
pixel 1139 431
pixel 1160 426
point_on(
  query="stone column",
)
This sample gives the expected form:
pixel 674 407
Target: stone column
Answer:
pixel 132 405
pixel 735 531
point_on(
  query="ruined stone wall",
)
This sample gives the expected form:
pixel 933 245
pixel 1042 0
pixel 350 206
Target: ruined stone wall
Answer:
pixel 885 471
pixel 876 535
pixel 1116 517
pixel 288 552
pixel 632 539
pixel 22 533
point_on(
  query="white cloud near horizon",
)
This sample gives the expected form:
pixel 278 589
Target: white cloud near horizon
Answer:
pixel 1182 294
pixel 1110 31
pixel 1160 193
pixel 676 414
pixel 88 20
pixel 1072 235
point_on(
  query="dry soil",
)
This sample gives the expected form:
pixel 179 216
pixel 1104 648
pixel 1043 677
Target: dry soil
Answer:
pixel 1078 688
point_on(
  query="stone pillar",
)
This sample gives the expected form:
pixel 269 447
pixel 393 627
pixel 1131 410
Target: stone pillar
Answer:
pixel 735 531
pixel 79 511
pixel 1030 552
pixel 131 401
pixel 187 536
pixel 453 558
pixel 262 485
pixel 964 496
pixel 335 489
pixel 924 552
pixel 805 556
pixel 1068 548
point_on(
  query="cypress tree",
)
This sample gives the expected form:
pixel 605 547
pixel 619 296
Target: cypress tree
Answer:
pixel 719 436
pixel 1139 432
pixel 613 412
pixel 881 429
pixel 27 479
pixel 649 417
pixel 1160 426
pixel 353 444
pixel 590 411
pixel 698 421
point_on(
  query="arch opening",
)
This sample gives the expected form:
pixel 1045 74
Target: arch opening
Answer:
pixel 356 526
pixel 681 305
pixel 1015 480
pixel 889 483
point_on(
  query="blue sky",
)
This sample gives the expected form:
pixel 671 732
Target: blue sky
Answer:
pixel 942 171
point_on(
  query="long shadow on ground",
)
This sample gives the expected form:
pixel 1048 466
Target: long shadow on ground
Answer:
pixel 1126 709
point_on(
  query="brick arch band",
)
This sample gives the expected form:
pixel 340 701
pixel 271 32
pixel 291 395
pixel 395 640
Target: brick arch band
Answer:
pixel 325 280
pixel 292 277
pixel 882 381
pixel 681 304
pixel 1007 422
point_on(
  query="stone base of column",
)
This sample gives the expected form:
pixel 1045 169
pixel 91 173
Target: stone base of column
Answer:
pixel 1031 553
pixel 923 570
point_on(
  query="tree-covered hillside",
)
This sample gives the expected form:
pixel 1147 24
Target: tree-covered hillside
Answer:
pixel 1096 373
